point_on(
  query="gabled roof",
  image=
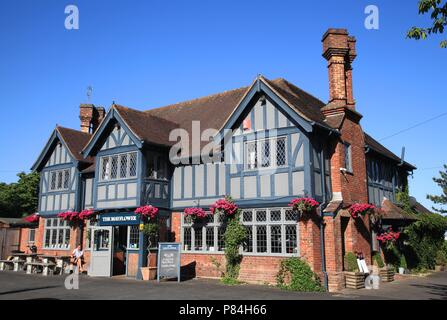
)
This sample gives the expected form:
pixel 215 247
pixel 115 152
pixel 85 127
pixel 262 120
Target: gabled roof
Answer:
pixel 148 128
pixel 374 145
pixel 213 111
pixel 73 140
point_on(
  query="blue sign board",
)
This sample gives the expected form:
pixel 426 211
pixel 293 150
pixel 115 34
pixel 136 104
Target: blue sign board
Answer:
pixel 169 260
pixel 119 219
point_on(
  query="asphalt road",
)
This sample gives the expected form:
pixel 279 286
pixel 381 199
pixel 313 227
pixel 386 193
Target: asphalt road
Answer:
pixel 22 286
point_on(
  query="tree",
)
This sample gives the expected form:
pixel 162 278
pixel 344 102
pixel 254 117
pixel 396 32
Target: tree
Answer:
pixel 442 199
pixel 438 14
pixel 20 198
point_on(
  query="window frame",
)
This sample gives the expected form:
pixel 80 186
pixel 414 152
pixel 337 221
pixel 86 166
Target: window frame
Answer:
pixel 62 180
pixel 348 157
pixel 60 228
pixel 259 156
pixel 33 232
pixel 106 164
pixel 268 224
pixel 129 237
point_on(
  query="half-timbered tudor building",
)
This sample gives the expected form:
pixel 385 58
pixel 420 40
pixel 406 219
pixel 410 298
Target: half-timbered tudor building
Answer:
pixel 284 143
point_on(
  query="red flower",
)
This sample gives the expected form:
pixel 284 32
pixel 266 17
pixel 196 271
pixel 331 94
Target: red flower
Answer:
pixel 388 236
pixel 32 218
pixel 360 209
pixel 86 214
pixel 149 212
pixel 70 216
pixel 225 206
pixel 195 213
pixel 304 204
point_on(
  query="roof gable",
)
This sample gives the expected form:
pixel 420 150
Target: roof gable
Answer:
pixel 70 139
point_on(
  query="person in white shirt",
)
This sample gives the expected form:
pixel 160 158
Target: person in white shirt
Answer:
pixel 77 256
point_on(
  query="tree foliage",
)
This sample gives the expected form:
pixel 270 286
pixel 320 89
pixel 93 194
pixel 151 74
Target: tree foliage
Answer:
pixel 442 183
pixel 438 15
pixel 20 198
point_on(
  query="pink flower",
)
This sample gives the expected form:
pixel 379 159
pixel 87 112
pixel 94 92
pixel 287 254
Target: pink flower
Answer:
pixel 388 236
pixel 32 218
pixel 224 205
pixel 70 216
pixel 86 214
pixel 149 212
pixel 195 213
pixel 360 209
pixel 304 204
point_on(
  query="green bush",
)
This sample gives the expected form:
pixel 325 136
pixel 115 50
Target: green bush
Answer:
pixel 441 258
pixel 392 255
pixel 296 275
pixel 351 262
pixel 403 262
pixel 377 257
pixel 425 239
pixel 234 236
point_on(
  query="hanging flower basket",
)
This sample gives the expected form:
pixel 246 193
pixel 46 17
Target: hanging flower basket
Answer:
pixel 389 236
pixel 193 215
pixel 87 214
pixel 72 217
pixel 32 218
pixel 360 209
pixel 147 213
pixel 304 205
pixel 224 206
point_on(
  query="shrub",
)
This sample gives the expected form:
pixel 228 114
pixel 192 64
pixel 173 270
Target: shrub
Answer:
pixel 296 275
pixel 441 258
pixel 403 262
pixel 377 258
pixel 426 238
pixel 351 262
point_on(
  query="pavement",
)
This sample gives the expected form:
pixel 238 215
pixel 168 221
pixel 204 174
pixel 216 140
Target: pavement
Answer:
pixel 21 286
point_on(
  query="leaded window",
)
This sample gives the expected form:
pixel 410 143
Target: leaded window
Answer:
pixel 118 166
pixel 266 153
pixel 59 180
pixel 57 234
pixel 272 231
pixel 156 166
pixel 134 237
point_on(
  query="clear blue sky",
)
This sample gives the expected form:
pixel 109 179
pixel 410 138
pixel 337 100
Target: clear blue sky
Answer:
pixel 150 53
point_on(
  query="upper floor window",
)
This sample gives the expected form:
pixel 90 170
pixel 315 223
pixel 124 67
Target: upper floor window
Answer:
pixel 266 153
pixel 156 166
pixel 59 180
pixel 118 166
pixel 348 157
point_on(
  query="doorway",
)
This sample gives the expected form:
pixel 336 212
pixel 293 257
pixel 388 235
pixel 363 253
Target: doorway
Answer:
pixel 119 250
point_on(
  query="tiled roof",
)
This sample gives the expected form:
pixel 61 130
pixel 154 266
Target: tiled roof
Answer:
pixel 147 127
pixel 379 148
pixel 393 212
pixel 75 141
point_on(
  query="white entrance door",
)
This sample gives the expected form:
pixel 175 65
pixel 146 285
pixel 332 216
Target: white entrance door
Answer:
pixel 101 252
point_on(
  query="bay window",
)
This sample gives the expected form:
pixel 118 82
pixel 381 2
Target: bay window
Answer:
pixel 118 166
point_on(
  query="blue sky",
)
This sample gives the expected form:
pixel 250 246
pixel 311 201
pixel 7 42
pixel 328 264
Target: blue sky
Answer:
pixel 145 54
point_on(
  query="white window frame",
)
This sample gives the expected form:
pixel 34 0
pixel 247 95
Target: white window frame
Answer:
pixel 258 157
pixel 129 230
pixel 32 231
pixel 105 174
pixel 60 227
pixel 60 177
pixel 216 223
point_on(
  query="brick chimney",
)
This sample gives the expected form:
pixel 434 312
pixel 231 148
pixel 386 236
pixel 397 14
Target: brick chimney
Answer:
pixel 90 117
pixel 339 51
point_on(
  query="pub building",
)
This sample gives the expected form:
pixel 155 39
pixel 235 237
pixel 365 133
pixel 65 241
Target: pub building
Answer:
pixel 289 144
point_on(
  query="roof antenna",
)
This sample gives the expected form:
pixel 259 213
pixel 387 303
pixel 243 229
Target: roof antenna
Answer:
pixel 89 93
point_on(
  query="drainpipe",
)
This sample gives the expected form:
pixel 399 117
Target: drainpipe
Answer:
pixel 322 225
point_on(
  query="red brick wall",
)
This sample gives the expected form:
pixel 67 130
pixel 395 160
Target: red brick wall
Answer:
pixel 254 269
pixel 39 241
